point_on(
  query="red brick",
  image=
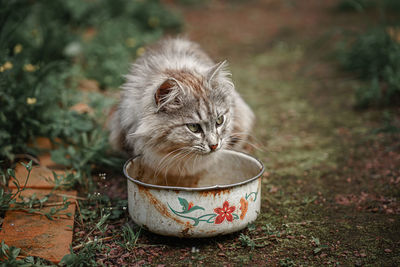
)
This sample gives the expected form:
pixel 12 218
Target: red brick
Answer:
pixel 35 234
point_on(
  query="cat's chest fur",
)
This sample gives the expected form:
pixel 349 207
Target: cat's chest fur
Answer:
pixel 177 109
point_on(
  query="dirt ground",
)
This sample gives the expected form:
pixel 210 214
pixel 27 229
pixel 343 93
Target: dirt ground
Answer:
pixel 332 185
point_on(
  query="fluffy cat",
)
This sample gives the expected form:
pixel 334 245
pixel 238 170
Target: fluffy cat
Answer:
pixel 177 110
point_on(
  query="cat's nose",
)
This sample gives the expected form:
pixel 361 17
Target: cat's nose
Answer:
pixel 213 147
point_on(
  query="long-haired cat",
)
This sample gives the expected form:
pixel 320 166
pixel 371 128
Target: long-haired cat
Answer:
pixel 177 110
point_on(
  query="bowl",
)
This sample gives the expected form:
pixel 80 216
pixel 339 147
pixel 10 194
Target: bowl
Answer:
pixel 227 201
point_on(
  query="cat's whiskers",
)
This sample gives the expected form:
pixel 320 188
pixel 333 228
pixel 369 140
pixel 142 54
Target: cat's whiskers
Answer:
pixel 179 156
pixel 194 161
pixel 246 134
pixel 245 140
pixel 173 158
pixel 191 154
pixel 165 160
pixel 184 159
pixel 163 164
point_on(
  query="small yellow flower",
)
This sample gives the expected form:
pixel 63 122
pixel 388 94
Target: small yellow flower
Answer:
pixel 140 51
pixel 1 68
pixel 153 22
pixel 17 49
pixel 31 100
pixel 8 65
pixel 30 68
pixel 130 42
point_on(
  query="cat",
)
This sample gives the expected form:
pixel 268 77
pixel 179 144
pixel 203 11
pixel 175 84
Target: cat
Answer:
pixel 177 110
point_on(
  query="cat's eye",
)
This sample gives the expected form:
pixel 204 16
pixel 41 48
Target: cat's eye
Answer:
pixel 220 120
pixel 194 127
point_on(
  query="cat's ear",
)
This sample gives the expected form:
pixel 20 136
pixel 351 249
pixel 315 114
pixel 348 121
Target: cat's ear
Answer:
pixel 215 69
pixel 167 94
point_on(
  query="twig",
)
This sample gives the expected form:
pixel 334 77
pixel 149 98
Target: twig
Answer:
pixel 27 156
pixel 79 210
pixel 91 241
pixel 51 204
pixel 302 223
pixel 148 245
pixel 87 236
pixel 71 196
pixel 261 238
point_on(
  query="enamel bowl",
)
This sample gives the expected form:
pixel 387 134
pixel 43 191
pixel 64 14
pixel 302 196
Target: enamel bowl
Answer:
pixel 227 201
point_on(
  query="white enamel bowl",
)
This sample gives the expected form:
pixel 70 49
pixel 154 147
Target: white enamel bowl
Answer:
pixel 228 202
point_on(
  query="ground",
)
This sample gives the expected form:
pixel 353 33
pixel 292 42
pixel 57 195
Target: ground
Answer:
pixel 330 193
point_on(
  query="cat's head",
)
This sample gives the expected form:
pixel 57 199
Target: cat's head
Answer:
pixel 193 112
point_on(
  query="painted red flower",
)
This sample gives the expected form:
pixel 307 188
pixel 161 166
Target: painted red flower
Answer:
pixel 190 205
pixel 224 212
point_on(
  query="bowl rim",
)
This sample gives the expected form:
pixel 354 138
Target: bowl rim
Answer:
pixel 207 188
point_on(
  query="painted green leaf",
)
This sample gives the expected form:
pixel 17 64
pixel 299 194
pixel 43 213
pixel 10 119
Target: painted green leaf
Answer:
pixel 196 208
pixel 250 194
pixel 192 209
pixel 184 203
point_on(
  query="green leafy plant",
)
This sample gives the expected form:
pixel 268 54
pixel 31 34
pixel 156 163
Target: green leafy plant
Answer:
pixel 287 262
pixel 375 57
pixel 8 198
pixel 317 244
pixel 46 47
pixel 363 5
pixel 9 257
pixel 85 257
pixel 123 32
pixel 270 229
pixel 251 227
pixel 33 204
pixel 355 5
pixel 246 241
pixel 390 124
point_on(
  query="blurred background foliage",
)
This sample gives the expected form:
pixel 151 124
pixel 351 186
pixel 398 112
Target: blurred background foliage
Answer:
pixel 373 54
pixel 365 5
pixel 48 48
